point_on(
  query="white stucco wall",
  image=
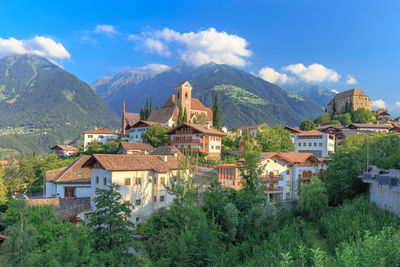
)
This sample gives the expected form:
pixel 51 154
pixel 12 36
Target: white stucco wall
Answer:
pixel 57 190
pixel 101 138
pixel 135 134
pixel 324 145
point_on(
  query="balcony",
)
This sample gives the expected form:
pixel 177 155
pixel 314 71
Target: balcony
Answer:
pixel 386 179
pixel 190 141
pixel 273 190
pixel 271 178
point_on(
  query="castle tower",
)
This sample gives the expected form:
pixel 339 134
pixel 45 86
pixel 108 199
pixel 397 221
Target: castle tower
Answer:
pixel 183 96
pixel 123 121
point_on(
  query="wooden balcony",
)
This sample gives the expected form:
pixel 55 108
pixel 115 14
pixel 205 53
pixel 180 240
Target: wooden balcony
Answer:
pixel 274 178
pixel 190 141
pixel 275 189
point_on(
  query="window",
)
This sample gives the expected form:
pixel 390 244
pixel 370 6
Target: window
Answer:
pixel 137 202
pixel 162 180
pixel 299 144
pixel 287 171
pixel 97 179
pixel 69 192
pixel 175 179
pixel 127 181
pixel 304 144
pixel 155 198
pixel 101 137
pixel 155 180
pixel 315 144
pixel 309 144
pixel 105 181
pixel 161 198
pixel 150 179
pixel 90 136
pixel 138 181
pixel 320 144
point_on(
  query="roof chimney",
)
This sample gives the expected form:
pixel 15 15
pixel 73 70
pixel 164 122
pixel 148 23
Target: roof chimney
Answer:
pixel 164 158
pixel 207 125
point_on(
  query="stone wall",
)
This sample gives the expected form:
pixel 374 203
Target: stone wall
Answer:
pixel 385 199
pixel 65 207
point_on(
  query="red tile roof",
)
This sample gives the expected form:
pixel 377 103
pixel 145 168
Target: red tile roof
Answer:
pixel 197 127
pixel 131 118
pixel 65 147
pixel 310 133
pixel 101 131
pixel 181 83
pixel 136 146
pixel 370 125
pixel 72 173
pixel 255 126
pixel 297 157
pixel 123 162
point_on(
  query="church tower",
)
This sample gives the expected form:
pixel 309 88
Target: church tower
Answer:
pixel 123 121
pixel 183 97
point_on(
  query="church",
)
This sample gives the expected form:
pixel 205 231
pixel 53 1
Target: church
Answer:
pixel 196 111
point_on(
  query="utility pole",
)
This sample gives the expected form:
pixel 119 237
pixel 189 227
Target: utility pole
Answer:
pixel 368 151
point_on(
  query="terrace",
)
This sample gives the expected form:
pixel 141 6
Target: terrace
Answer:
pixel 386 179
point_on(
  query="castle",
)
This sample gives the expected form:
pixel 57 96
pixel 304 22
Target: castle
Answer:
pixel 196 111
pixel 351 99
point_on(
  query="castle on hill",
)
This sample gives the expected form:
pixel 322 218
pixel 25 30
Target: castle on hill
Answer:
pixel 196 111
pixel 354 98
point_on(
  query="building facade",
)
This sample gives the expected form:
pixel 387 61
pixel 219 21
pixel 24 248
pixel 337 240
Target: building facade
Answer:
pixel 64 150
pixel 370 127
pixel 196 138
pixel 142 179
pixel 251 128
pixel 100 135
pixel 137 129
pixel 318 143
pixel 134 148
pixel 351 99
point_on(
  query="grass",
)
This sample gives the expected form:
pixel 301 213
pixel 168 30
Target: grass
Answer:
pixel 240 94
pixel 298 97
pixel 311 231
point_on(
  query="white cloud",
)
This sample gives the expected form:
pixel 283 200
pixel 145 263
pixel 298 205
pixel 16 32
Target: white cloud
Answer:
pixel 149 68
pixel 335 91
pixel 397 104
pixel 313 73
pixel 108 29
pixel 272 76
pixel 350 79
pixel 379 104
pixel 200 47
pixel 39 45
pixel 153 45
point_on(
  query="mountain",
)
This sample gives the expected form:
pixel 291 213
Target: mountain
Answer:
pixel 319 94
pixel 244 98
pixel 42 105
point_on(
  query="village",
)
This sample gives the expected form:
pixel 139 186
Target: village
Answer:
pixel 189 132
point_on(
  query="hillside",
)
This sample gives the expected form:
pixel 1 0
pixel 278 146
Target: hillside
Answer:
pixel 41 105
pixel 319 94
pixel 244 98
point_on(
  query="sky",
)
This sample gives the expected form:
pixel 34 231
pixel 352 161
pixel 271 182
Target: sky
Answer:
pixel 337 44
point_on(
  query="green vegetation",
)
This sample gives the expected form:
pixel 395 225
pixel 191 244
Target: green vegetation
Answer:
pixel 155 136
pixel 346 117
pixel 314 200
pixel 307 125
pixel 146 110
pixel 216 113
pixel 240 94
pixel 298 97
pixel 275 139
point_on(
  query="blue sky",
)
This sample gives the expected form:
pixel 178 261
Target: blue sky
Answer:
pixel 337 44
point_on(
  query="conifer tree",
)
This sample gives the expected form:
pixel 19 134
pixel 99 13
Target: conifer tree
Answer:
pixel 146 111
pixel 142 114
pixel 151 106
pixel 157 107
pixel 180 115
pixel 185 117
pixel 216 113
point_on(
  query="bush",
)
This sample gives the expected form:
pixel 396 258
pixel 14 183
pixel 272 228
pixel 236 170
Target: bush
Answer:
pixel 314 200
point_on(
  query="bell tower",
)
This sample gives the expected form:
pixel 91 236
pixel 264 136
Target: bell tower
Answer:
pixel 183 96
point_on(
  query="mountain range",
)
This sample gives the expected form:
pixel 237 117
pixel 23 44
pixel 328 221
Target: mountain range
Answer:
pixel 244 98
pixel 42 105
pixel 317 93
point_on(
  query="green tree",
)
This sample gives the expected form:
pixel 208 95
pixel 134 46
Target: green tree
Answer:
pixel 307 125
pixel 142 115
pixel 157 107
pixel 95 147
pixel 216 113
pixel 323 119
pixel 314 200
pixel 155 135
pixel 344 119
pixel 151 106
pixel 3 188
pixel 21 242
pixel 110 229
pixel 180 115
pixel 230 221
pixel 111 146
pixel 185 116
pixel 275 139
pixel 147 109
pixel 362 115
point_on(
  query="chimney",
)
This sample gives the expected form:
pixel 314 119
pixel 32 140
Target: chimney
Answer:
pixel 207 125
pixel 164 158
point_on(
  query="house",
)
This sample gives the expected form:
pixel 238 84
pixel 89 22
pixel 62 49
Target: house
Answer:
pixel 195 110
pixel 169 151
pixel 224 129
pixel 382 115
pixel 370 127
pixel 135 148
pixel 127 119
pixel 293 130
pixel 142 179
pixel 136 129
pixel 251 128
pixel 64 150
pixel 71 181
pixel 196 138
pixel 281 176
pixel 101 135
pixel 395 129
pixel 349 100
pixel 318 143
pixel 331 128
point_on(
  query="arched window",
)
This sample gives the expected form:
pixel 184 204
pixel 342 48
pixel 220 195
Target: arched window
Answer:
pixel 186 94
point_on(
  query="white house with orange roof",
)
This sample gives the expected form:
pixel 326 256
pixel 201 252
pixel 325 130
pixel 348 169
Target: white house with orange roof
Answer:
pixel 318 143
pixel 101 135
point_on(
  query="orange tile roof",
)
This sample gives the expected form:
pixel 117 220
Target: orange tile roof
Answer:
pixel 65 147
pixel 181 83
pixel 197 105
pixel 297 157
pixel 100 131
pixel 136 146
pixel 310 133
pixel 123 162
pixel 72 173
pixel 198 127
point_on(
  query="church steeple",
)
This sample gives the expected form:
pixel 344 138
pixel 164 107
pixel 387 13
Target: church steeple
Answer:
pixel 183 97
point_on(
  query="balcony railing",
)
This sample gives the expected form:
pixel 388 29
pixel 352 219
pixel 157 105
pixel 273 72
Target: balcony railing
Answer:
pixel 275 189
pixel 388 179
pixel 190 141
pixel 274 178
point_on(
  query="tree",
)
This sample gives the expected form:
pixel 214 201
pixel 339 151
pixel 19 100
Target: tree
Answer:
pixel 147 109
pixel 151 106
pixel 94 147
pixel 250 171
pixel 216 113
pixel 185 116
pixel 362 115
pixel 21 242
pixel 323 119
pixel 334 110
pixel 157 107
pixel 110 229
pixel 275 139
pixel 314 200
pixel 3 188
pixel 344 119
pixel 142 115
pixel 111 146
pixel 155 135
pixel 180 115
pixel 307 125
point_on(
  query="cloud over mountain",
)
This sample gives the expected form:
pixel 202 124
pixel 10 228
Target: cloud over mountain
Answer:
pixel 39 46
pixel 313 73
